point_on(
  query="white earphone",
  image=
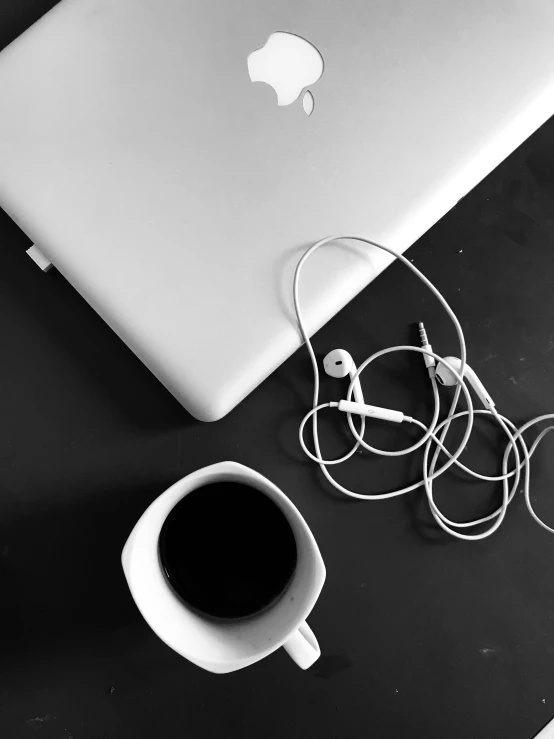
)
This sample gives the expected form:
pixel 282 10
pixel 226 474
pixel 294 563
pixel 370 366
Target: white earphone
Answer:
pixel 339 363
pixel 448 371
pixel 445 376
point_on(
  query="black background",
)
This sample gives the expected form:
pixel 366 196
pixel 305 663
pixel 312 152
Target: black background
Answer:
pixel 421 635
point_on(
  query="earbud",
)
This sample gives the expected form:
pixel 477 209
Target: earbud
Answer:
pixel 339 363
pixel 445 377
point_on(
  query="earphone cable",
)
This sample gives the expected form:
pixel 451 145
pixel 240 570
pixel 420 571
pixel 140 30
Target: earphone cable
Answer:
pixel 434 434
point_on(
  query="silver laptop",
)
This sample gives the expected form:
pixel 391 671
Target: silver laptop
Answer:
pixel 175 177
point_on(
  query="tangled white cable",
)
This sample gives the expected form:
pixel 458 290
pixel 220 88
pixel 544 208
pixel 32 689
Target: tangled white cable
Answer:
pixel 436 432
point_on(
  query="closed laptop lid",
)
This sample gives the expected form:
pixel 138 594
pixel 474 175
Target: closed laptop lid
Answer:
pixel 177 196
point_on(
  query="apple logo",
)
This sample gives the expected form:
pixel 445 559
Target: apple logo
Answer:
pixel 288 63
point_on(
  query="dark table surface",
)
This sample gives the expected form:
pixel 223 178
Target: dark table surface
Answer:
pixel 422 635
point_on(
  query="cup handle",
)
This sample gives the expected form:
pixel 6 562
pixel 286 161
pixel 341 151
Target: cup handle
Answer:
pixel 302 646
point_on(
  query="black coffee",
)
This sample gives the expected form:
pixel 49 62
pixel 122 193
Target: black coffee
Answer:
pixel 227 550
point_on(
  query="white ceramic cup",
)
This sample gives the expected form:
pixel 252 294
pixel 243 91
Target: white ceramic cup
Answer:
pixel 227 645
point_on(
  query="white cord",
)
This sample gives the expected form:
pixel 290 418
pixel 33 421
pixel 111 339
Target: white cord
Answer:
pixel 435 433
